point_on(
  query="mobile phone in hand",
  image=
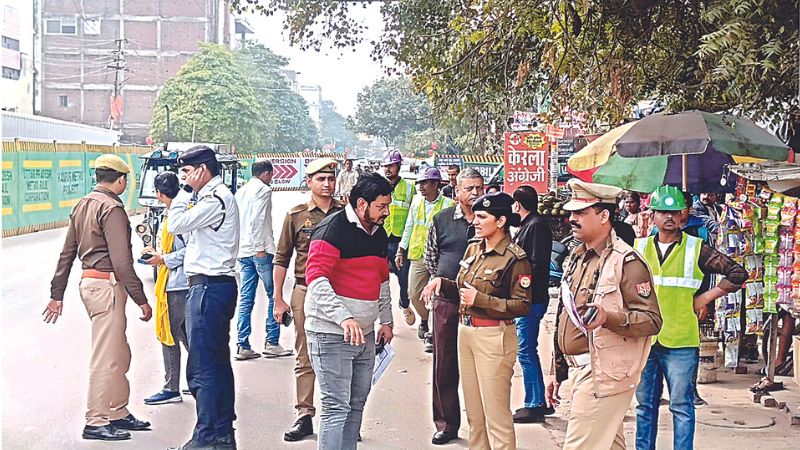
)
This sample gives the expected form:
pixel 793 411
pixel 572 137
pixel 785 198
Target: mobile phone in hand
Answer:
pixel 589 315
pixel 286 319
pixel 380 346
pixel 143 259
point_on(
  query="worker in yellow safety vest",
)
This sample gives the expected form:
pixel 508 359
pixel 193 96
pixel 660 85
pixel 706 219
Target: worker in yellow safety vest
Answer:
pixel 402 194
pixel 679 263
pixel 412 245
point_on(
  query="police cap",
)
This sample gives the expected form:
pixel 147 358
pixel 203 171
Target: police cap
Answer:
pixel 112 162
pixel 497 204
pixel 322 165
pixel 196 155
pixel 586 194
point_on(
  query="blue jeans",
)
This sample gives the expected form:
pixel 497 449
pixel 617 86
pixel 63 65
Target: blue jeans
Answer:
pixel 677 366
pixel 253 269
pixel 402 273
pixel 528 337
pixel 209 310
pixel 344 373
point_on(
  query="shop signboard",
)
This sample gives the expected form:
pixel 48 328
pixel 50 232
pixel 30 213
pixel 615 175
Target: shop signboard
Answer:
pixel 526 161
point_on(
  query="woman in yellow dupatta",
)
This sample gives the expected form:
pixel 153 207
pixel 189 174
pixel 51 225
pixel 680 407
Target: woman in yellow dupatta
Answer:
pixel 171 290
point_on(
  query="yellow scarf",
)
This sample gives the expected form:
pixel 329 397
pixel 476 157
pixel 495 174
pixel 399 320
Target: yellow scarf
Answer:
pixel 163 333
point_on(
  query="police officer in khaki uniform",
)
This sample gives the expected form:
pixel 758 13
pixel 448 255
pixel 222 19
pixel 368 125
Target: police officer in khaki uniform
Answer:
pixel 492 288
pixel 606 316
pixel 99 233
pixel 296 237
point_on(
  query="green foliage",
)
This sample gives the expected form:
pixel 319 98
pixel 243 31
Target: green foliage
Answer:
pixel 211 96
pixel 239 98
pixel 389 109
pixel 334 127
pixel 288 126
pixel 479 60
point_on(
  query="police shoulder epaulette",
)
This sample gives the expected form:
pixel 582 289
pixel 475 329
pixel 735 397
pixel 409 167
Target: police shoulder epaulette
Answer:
pixel 517 251
pixel 631 256
pixel 299 208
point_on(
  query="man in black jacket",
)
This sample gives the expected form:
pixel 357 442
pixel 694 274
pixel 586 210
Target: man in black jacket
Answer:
pixel 447 241
pixel 536 238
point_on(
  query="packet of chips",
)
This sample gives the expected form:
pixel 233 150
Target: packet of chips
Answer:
pixel 788 211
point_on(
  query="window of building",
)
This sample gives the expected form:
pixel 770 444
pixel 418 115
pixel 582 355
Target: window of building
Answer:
pixel 91 27
pixel 63 101
pixel 11 74
pixel 61 26
pixel 10 43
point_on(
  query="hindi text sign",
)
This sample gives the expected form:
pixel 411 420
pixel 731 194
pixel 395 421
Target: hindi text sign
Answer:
pixel 526 161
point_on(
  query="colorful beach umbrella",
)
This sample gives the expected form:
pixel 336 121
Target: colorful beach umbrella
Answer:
pixel 689 150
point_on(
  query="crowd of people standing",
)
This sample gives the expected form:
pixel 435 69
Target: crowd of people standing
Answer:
pixel 472 267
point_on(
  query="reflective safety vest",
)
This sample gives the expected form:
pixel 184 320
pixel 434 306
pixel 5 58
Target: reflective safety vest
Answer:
pixel 398 210
pixel 676 282
pixel 419 234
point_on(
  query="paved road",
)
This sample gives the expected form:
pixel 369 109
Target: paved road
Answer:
pixel 44 378
pixel 45 370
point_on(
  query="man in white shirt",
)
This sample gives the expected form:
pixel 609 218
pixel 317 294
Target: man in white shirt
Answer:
pixel 256 250
pixel 346 180
pixel 212 229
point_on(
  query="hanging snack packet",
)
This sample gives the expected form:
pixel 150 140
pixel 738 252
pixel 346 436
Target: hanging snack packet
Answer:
pixel 788 211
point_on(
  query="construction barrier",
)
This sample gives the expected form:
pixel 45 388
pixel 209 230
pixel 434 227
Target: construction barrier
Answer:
pixel 42 181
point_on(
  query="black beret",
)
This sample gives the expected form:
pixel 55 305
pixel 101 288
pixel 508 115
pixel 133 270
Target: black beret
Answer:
pixel 497 204
pixel 196 155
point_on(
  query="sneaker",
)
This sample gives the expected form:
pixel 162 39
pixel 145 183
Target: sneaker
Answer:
pixel 275 351
pixel 163 398
pixel 544 410
pixel 422 329
pixel 699 402
pixel 243 354
pixel 409 316
pixel 428 343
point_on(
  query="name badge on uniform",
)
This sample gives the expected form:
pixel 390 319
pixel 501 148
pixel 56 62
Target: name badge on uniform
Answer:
pixel 465 263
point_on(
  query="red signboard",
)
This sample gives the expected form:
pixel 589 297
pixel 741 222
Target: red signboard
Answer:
pixel 554 132
pixel 526 161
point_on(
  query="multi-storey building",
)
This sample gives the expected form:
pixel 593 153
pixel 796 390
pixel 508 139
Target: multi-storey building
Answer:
pixel 18 55
pixel 104 61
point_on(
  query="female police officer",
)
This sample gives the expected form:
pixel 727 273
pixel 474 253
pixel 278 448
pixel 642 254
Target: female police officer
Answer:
pixel 492 288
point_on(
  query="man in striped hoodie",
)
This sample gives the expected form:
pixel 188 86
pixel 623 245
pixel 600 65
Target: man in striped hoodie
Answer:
pixel 348 289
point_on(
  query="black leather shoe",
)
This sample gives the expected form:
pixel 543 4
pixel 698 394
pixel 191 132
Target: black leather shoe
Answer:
pixel 105 433
pixel 192 445
pixel 302 427
pixel 528 415
pixel 544 410
pixel 131 423
pixel 441 438
pixel 228 442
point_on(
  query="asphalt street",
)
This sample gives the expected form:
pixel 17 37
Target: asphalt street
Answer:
pixel 45 369
pixel 45 376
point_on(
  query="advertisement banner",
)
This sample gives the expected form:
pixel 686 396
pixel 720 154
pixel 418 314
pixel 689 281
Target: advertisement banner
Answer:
pixel 486 169
pixel 526 160
pixel 10 190
pixel 444 161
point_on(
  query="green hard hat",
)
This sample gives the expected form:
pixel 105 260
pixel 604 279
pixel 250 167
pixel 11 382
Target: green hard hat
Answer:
pixel 667 198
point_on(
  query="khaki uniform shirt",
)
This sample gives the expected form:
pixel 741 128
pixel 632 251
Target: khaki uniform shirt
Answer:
pixel 502 277
pixel 570 339
pixel 99 233
pixel 300 221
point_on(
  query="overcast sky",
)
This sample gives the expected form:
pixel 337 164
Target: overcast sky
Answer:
pixel 342 73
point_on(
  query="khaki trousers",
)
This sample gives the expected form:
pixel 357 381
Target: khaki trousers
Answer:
pixel 111 356
pixel 418 277
pixel 303 372
pixel 486 359
pixel 595 423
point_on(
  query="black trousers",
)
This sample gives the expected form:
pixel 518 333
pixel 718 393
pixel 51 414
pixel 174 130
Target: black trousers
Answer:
pixel 446 406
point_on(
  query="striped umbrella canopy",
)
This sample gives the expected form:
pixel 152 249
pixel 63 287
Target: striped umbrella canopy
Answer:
pixel 689 150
